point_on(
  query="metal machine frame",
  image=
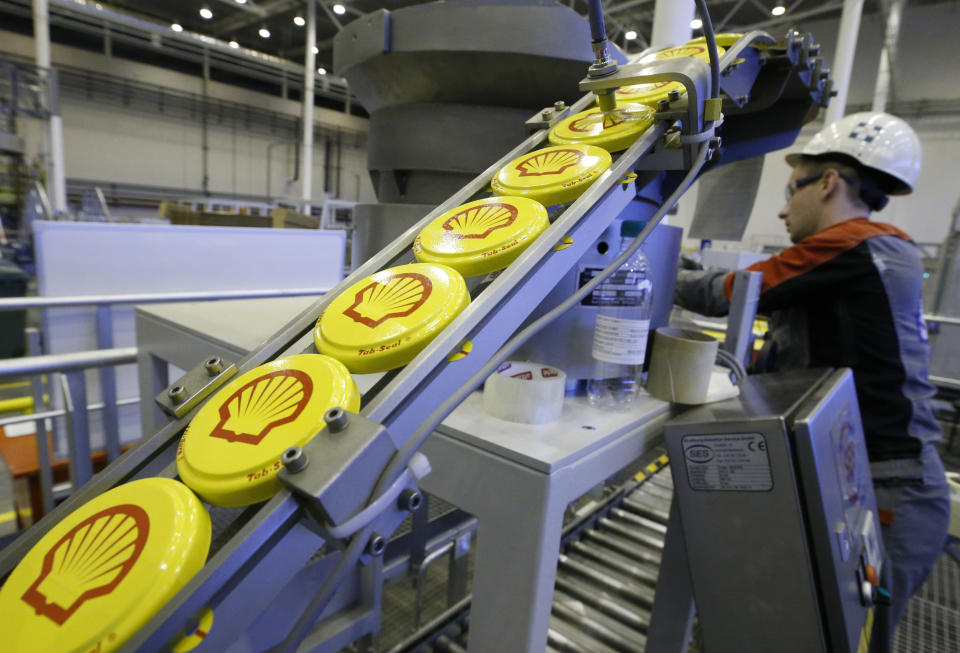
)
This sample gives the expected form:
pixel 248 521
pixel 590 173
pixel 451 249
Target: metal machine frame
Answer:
pixel 267 551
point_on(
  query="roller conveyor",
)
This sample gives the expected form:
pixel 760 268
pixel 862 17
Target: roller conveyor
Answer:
pixel 274 567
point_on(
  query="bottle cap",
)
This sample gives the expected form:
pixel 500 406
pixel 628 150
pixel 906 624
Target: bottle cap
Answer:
pixel 648 94
pixel 552 175
pixel 612 130
pixel 230 453
pixel 483 236
pixel 384 321
pixel 101 573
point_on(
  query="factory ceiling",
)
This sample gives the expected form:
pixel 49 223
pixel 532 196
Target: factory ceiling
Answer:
pixel 244 21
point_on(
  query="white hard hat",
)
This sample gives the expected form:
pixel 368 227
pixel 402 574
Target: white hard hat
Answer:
pixel 878 141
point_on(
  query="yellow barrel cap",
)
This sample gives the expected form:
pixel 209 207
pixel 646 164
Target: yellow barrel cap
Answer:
pixel 612 130
pixel 385 320
pixel 724 40
pixel 230 453
pixel 648 94
pixel 691 49
pixel 552 175
pixel 102 573
pixel 483 236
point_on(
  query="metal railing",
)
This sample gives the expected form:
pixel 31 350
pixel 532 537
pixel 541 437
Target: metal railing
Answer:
pixel 71 368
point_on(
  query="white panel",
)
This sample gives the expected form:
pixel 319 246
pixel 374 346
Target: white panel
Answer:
pixel 100 258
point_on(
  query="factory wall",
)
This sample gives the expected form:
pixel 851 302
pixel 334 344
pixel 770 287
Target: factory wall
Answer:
pixel 110 143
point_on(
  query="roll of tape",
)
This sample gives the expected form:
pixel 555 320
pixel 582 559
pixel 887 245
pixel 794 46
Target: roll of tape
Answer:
pixel 529 393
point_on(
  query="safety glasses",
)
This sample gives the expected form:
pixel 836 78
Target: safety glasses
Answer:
pixel 797 184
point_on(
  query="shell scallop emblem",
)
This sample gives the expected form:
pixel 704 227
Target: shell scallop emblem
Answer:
pixel 480 221
pixel 551 162
pixel 609 119
pixel 264 403
pixel 641 88
pixel 89 561
pixel 400 295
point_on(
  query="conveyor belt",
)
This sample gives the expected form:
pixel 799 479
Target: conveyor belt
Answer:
pixel 606 578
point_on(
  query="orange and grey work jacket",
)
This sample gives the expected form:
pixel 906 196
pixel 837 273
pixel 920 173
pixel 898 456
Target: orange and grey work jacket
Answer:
pixel 847 296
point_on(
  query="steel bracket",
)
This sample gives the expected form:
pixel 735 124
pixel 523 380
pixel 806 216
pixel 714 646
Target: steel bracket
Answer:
pixel 184 394
pixel 547 117
pixel 334 475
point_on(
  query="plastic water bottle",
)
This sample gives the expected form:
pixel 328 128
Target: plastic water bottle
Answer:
pixel 625 304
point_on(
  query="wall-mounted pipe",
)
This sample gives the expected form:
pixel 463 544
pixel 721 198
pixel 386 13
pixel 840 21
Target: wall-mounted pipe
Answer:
pixel 309 72
pixel 843 59
pixel 58 178
pixel 888 54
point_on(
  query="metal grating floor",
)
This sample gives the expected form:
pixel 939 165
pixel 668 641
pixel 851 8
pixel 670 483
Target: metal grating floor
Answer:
pixel 932 621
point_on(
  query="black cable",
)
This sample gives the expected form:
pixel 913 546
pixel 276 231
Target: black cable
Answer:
pixel 711 39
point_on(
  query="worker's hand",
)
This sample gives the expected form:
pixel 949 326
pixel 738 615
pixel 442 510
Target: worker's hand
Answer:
pixel 687 262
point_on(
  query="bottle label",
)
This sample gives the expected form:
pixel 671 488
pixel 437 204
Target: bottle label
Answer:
pixel 616 340
pixel 620 288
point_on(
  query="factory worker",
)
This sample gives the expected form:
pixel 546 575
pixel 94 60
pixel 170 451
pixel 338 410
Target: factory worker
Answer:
pixel 848 294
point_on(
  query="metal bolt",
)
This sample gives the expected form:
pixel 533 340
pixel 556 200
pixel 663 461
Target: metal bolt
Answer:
pixel 213 365
pixel 716 142
pixel 294 460
pixel 559 105
pixel 410 500
pixel 546 113
pixel 177 394
pixel 674 95
pixel 377 545
pixel 336 419
pixel 663 105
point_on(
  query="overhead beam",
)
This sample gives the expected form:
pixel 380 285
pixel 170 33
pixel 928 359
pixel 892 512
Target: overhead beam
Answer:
pixel 239 21
pixel 248 6
pixel 793 18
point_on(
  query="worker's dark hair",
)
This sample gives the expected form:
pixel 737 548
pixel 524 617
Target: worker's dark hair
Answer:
pixel 863 185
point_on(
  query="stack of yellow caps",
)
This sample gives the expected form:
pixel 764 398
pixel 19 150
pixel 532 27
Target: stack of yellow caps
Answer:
pixel 724 40
pixel 651 94
pixel 612 130
pixel 105 570
pixel 385 320
pixel 694 48
pixel 482 236
pixel 553 175
pixel 230 453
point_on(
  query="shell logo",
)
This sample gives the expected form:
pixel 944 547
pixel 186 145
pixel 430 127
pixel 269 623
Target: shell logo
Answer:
pixel 549 163
pixel 264 403
pixel 399 296
pixel 641 88
pixel 481 221
pixel 89 561
pixel 682 51
pixel 590 122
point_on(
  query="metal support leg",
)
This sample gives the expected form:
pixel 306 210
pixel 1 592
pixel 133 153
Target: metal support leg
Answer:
pixel 74 387
pixel 45 470
pixel 673 609
pixel 459 569
pixel 108 384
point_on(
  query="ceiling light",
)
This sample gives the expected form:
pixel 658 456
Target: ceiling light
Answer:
pixel 779 10
pixel 176 27
pixel 630 35
pixel 241 2
pixel 339 9
pixel 321 71
pixel 264 33
pixel 299 21
pixel 316 50
pixel 234 45
pixel 205 12
pixel 696 23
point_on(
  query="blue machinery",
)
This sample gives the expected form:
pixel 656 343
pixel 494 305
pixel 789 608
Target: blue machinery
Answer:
pixel 263 579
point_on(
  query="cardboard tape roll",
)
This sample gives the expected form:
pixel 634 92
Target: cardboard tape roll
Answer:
pixel 529 393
